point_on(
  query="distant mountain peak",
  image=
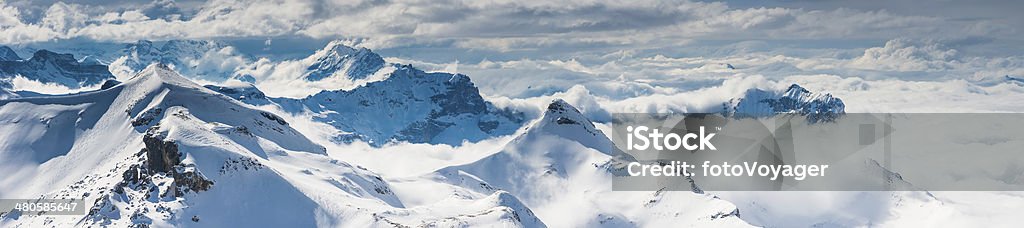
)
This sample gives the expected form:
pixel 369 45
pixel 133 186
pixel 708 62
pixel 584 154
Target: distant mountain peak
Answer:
pixel 564 120
pixel 355 63
pixel 51 67
pixel 8 54
pixel 181 54
pixel 796 99
pixel 409 105
pixel 563 113
pixel 49 56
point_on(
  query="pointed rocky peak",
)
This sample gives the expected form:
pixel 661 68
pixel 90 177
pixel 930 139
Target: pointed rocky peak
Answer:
pixel 562 113
pixel 795 90
pixel 564 120
pixel 162 73
pixel 337 57
pixel 8 54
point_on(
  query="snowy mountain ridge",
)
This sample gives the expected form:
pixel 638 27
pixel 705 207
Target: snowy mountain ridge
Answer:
pixel 160 150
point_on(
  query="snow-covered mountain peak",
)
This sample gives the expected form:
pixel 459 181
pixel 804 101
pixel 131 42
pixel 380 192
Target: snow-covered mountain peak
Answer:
pixel 190 57
pixel 161 73
pixel 8 54
pixel 564 120
pixel 51 67
pixel 795 99
pixel 336 57
pixel 409 105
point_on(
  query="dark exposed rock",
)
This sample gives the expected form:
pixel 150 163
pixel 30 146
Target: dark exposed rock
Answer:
pixel 109 83
pixel 146 117
pixel 275 118
pixel 248 94
pixel 758 103
pixel 161 155
pixel 188 179
pixel 733 213
pixel 563 120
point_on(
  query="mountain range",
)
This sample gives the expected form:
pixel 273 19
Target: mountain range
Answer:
pixel 160 150
pixel 50 67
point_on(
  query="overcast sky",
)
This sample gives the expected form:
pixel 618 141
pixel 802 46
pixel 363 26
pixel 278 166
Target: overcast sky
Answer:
pixel 648 54
pixel 507 26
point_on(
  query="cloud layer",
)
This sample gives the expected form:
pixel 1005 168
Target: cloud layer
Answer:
pixel 494 25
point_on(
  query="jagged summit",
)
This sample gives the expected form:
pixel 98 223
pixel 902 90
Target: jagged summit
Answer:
pixel 795 99
pixel 336 57
pixel 159 149
pixel 409 105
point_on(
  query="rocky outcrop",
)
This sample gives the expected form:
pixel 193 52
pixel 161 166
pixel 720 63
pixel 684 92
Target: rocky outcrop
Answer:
pixel 410 105
pixel 163 157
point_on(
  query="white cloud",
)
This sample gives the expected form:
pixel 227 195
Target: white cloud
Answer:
pixel 20 83
pixel 908 55
pixel 491 25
